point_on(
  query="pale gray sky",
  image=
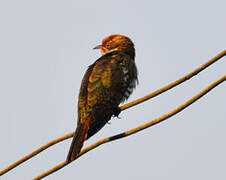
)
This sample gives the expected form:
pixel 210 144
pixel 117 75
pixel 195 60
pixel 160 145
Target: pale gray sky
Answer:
pixel 45 48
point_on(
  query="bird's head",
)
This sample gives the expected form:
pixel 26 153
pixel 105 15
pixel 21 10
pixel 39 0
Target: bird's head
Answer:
pixel 119 43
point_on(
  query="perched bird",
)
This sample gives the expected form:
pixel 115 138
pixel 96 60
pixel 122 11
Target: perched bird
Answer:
pixel 107 82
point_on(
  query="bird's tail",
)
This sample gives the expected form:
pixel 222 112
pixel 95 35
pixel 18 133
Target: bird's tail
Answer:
pixel 78 140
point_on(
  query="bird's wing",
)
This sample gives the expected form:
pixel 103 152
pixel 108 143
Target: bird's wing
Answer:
pixel 94 90
pixel 106 80
pixel 83 119
pixel 105 90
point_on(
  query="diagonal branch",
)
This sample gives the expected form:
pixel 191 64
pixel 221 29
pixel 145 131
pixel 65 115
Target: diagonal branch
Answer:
pixel 124 107
pixel 139 128
pixel 177 82
pixel 42 148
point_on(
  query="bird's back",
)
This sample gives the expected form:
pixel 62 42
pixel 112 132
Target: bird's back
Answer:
pixel 106 83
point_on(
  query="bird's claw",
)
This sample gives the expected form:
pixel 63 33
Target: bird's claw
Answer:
pixel 117 112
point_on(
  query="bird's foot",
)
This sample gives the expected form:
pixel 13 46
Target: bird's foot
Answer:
pixel 116 112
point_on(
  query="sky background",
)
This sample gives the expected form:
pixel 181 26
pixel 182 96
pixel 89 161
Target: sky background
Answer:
pixel 46 47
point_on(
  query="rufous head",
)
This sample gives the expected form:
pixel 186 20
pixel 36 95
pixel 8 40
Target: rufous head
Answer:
pixel 117 42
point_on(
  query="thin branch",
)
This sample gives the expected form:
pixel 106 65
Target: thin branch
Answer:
pixel 124 107
pixel 137 129
pixel 42 148
pixel 177 82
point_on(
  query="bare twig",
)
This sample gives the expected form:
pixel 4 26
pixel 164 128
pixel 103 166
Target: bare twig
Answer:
pixel 42 148
pixel 177 82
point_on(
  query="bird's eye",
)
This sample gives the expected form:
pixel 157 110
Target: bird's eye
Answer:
pixel 108 45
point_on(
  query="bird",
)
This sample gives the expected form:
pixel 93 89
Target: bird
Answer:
pixel 108 82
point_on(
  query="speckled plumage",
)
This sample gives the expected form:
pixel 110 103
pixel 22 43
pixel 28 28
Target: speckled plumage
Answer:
pixel 108 82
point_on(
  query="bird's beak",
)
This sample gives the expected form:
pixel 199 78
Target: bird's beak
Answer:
pixel 98 47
